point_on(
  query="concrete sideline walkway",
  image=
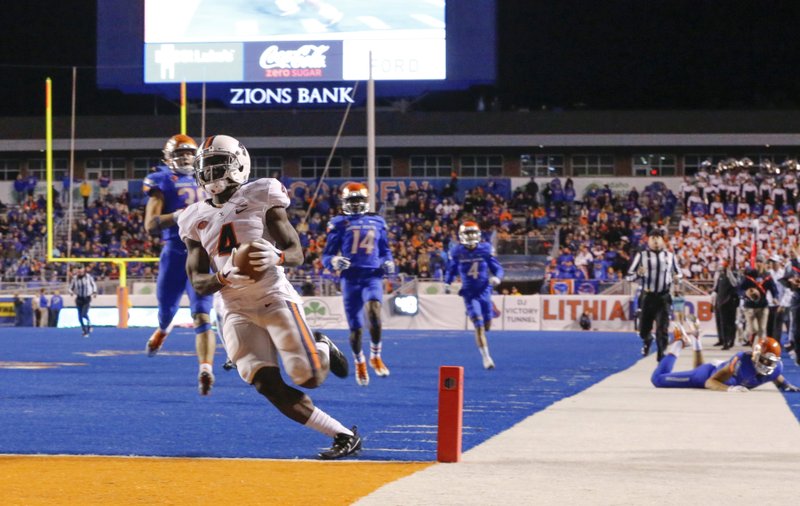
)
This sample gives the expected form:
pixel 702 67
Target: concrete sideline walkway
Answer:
pixel 623 441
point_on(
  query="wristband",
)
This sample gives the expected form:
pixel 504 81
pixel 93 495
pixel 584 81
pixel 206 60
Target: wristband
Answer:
pixel 221 279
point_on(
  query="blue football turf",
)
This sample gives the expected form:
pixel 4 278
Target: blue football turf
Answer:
pixel 124 403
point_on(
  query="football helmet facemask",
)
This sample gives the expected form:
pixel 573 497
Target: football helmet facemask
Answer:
pixel 179 153
pixel 355 199
pixel 221 162
pixel 469 234
pixel 766 355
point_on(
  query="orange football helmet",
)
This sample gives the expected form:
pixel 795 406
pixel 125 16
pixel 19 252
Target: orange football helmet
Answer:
pixel 469 234
pixel 355 199
pixel 766 355
pixel 173 154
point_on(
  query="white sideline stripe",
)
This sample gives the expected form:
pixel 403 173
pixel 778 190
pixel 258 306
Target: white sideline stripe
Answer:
pixel 622 441
pixel 373 22
pixel 428 20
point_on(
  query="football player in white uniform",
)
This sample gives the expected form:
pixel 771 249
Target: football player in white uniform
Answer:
pixel 264 319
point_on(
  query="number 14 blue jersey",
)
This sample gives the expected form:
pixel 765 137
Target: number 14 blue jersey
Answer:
pixel 361 238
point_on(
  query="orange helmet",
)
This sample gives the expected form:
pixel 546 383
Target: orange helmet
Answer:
pixel 766 355
pixel 355 199
pixel 172 158
pixel 469 234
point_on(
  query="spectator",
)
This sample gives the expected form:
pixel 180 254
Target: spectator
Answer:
pixel 85 190
pixel 56 305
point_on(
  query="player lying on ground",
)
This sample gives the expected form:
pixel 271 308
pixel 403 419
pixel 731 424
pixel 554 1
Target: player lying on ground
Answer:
pixel 742 372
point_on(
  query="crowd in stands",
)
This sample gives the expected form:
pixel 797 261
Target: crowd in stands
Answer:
pixel 597 233
pixel 604 230
pixel 727 211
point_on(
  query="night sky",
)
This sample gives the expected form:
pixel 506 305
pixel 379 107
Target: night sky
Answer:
pixel 552 54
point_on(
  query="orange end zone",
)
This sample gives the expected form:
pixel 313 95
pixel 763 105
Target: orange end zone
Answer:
pixel 142 480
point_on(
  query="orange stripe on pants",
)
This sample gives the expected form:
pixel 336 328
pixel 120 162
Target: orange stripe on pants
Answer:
pixel 308 340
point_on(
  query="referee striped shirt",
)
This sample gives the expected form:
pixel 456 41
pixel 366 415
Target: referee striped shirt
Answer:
pixel 656 270
pixel 83 286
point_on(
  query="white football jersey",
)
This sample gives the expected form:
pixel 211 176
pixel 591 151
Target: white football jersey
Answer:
pixel 240 220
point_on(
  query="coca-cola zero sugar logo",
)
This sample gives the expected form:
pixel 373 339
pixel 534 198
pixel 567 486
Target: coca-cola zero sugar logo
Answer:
pixel 309 60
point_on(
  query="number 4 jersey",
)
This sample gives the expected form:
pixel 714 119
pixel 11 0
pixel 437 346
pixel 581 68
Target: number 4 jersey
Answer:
pixel 240 220
pixel 474 266
pixel 179 191
pixel 362 239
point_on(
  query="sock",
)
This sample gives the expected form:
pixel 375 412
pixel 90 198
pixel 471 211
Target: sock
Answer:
pixel 675 348
pixel 697 344
pixel 375 350
pixel 205 367
pixel 484 351
pixel 324 423
pixel 359 357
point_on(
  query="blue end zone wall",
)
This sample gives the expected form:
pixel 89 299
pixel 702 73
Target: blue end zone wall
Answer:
pixel 116 401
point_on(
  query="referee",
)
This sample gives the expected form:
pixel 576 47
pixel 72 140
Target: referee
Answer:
pixel 84 289
pixel 656 268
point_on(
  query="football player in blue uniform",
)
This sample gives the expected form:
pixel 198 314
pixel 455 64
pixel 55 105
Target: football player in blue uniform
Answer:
pixel 358 248
pixel 172 187
pixel 474 261
pixel 742 372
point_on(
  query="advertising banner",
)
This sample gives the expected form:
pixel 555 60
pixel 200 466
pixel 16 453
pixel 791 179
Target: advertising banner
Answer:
pixel 521 312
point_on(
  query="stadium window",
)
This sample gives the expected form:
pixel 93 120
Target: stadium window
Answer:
pixel 654 165
pixel 431 166
pixel 314 166
pixel 383 166
pixel 692 162
pixel 541 165
pixel 593 165
pixel 266 166
pixel 113 167
pixel 481 165
pixel 9 170
pixel 38 167
pixel 143 166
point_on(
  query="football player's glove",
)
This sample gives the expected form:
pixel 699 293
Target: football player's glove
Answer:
pixel 494 280
pixel 340 263
pixel 389 267
pixel 738 388
pixel 265 256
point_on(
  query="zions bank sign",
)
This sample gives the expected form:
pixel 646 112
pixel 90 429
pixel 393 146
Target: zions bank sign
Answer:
pixel 291 96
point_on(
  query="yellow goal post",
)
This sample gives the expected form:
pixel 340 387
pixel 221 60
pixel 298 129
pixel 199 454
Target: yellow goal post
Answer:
pixel 123 299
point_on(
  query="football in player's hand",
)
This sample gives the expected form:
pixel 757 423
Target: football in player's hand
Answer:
pixel 753 294
pixel 243 261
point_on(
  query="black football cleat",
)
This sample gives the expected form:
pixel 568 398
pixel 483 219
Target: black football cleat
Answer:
pixel 338 362
pixel 343 445
pixel 229 365
pixel 646 346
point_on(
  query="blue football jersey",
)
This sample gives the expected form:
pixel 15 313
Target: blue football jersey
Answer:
pixel 179 191
pixel 744 372
pixel 362 238
pixel 475 266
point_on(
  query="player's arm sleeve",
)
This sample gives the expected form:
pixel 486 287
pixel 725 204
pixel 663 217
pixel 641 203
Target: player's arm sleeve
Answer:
pixel 333 244
pixel 186 228
pixel 676 269
pixel 268 192
pixel 494 266
pixel 632 275
pixel 452 269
